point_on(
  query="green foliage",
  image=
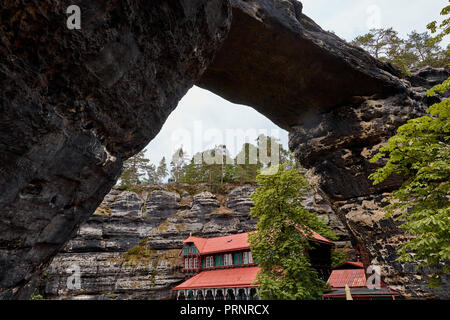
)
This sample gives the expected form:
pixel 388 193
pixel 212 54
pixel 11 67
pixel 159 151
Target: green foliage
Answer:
pixel 338 257
pixel 138 254
pixel 134 169
pixel 418 50
pixel 214 166
pixel 162 171
pixel 177 164
pixel 420 151
pixel 247 164
pixel 442 29
pixel 36 296
pixel 278 246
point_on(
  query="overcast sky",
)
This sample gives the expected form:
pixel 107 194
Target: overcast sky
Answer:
pixel 203 119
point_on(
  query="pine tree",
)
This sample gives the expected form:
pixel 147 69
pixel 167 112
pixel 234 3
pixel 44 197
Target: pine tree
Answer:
pixel 134 168
pixel 413 52
pixel 151 173
pixel 247 164
pixel 161 171
pixel 177 165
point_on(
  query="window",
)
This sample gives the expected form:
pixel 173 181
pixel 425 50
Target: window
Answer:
pixel 246 257
pixel 195 263
pixel 190 263
pixel 209 262
pixel 186 263
pixel 228 259
pixel 250 258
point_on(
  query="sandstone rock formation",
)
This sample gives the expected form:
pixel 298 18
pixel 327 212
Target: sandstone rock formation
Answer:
pixel 155 221
pixel 339 105
pixel 75 104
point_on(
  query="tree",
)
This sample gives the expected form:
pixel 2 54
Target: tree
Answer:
pixel 277 245
pixel 151 173
pixel 134 168
pixel 415 51
pixel 247 164
pixel 378 42
pixel 418 44
pixel 420 151
pixel 177 165
pixel 161 171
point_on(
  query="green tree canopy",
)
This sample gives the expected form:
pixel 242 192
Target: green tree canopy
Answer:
pixel 134 169
pixel 162 171
pixel 418 50
pixel 277 245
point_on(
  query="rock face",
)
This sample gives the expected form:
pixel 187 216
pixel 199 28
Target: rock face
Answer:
pixel 75 104
pixel 156 222
pixel 281 63
pixel 339 105
pixel 336 148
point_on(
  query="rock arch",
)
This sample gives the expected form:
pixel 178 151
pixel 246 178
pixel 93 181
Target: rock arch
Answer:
pixel 75 104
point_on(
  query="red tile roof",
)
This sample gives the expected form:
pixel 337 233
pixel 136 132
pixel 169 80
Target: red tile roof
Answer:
pixel 317 237
pixel 354 278
pixel 233 243
pixel 220 244
pixel 226 278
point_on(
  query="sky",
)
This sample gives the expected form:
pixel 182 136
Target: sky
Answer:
pixel 203 119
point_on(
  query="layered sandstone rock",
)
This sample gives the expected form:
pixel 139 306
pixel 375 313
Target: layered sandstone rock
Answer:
pixel 154 221
pixel 339 105
pixel 76 103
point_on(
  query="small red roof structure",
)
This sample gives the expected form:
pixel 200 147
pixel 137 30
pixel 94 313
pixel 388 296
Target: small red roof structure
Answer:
pixel 353 274
pixel 226 278
pixel 354 278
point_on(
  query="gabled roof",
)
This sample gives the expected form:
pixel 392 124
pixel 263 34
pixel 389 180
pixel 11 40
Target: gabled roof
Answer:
pixel 354 278
pixel 350 273
pixel 220 244
pixel 234 242
pixel 316 237
pixel 226 278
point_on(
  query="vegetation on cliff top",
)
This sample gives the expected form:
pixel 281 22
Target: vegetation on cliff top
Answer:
pixel 214 166
pixel 414 52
